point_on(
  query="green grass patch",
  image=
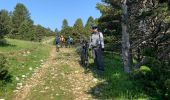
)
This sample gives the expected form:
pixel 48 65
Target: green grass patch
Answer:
pixel 24 57
pixel 48 40
pixel 116 85
pixel 66 68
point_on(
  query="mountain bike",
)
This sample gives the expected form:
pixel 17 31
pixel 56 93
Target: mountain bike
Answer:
pixel 84 54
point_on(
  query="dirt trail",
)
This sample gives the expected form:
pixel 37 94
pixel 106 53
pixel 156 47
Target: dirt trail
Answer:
pixel 60 78
pixel 34 80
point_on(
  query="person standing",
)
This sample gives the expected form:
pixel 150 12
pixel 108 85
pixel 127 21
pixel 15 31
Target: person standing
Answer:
pixel 57 43
pixel 69 41
pixel 62 41
pixel 97 46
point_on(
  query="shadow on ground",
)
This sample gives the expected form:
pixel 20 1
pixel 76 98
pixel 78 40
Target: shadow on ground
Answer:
pixel 113 82
pixel 6 45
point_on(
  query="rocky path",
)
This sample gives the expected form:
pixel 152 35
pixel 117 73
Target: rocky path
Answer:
pixel 60 78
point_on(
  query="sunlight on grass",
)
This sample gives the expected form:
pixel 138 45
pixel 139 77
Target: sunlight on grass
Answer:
pixel 24 58
pixel 117 84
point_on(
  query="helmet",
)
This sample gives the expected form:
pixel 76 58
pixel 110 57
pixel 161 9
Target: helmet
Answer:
pixel 94 27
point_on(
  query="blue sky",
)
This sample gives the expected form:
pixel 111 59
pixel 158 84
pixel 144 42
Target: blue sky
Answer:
pixel 50 13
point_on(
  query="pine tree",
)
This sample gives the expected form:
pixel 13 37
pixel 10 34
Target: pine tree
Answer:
pixel 79 28
pixel 65 24
pixel 5 26
pixel 20 14
pixel 90 22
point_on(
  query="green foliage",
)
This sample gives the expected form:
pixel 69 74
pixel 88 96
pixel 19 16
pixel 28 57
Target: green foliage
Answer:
pixel 149 51
pixel 142 72
pixel 21 56
pixel 115 84
pixel 109 23
pixel 19 15
pixel 4 23
pixel 25 30
pixel 76 32
pixel 78 28
pixel 3 42
pixel 65 24
pixel 87 29
pixel 154 79
pixel 4 70
pixel 20 25
pixel 167 19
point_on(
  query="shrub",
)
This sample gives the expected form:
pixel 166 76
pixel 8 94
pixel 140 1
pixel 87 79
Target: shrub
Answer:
pixel 4 73
pixel 154 78
pixel 3 42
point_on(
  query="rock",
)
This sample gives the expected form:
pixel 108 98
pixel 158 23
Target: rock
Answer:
pixel 30 68
pixel 28 52
pixel 19 84
pixel 95 80
pixel 15 91
pixel 18 88
pixel 62 74
pixel 17 78
pixel 76 72
pixel 46 88
pixel 42 91
pixel 23 76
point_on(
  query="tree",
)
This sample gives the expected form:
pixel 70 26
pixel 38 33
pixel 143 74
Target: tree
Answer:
pixel 65 24
pixel 4 23
pixel 25 30
pixel 39 32
pixel 78 28
pixel 56 30
pixel 89 22
pixel 20 14
pixel 125 38
pixel 112 11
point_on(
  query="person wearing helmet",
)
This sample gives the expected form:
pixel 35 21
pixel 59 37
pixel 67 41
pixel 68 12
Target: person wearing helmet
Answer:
pixel 97 46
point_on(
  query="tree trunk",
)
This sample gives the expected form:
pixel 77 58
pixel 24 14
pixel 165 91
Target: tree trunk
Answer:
pixel 125 39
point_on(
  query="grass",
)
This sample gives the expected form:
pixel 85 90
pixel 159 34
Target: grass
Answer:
pixel 48 40
pixel 23 58
pixel 116 84
pixel 23 55
pixel 54 84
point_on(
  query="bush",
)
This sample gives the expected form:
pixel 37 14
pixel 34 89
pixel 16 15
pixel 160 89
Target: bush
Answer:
pixel 167 85
pixel 3 42
pixel 149 51
pixel 154 78
pixel 4 73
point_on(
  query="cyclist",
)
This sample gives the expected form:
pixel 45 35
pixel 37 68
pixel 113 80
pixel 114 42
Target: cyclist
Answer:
pixel 97 47
pixel 57 43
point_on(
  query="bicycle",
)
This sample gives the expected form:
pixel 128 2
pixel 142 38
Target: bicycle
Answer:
pixel 84 54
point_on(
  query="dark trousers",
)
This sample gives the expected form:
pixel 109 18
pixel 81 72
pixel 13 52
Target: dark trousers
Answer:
pixel 98 58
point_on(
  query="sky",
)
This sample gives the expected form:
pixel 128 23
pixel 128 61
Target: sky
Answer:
pixel 50 13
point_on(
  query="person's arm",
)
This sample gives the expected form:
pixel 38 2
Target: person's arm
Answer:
pixel 102 40
pixel 90 42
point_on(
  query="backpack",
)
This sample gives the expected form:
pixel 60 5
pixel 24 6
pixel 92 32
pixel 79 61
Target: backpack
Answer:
pixel 57 40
